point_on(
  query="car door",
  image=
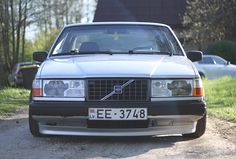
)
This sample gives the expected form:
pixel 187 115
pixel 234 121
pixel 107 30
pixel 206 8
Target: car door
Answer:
pixel 225 69
pixel 210 69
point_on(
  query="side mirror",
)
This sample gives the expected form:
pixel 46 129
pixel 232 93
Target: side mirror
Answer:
pixel 194 55
pixel 228 63
pixel 40 56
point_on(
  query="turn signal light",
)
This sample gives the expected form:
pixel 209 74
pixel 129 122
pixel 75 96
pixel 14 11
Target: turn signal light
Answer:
pixel 37 88
pixel 198 92
pixel 37 92
pixel 198 89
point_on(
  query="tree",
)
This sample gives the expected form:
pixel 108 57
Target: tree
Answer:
pixel 4 27
pixel 13 23
pixel 209 20
pixel 54 14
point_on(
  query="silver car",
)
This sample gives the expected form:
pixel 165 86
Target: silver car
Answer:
pixel 117 79
pixel 212 66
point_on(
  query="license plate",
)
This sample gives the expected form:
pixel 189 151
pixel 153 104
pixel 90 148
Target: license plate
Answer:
pixel 117 113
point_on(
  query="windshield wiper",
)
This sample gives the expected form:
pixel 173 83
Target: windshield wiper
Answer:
pixel 150 52
pixel 75 52
pixel 96 52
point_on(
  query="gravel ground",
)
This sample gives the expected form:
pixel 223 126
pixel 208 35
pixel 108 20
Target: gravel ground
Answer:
pixel 218 142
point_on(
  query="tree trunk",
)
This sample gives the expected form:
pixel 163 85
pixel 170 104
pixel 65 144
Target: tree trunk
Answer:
pixel 23 33
pixel 13 28
pixel 18 29
pixel 56 14
pixel 5 33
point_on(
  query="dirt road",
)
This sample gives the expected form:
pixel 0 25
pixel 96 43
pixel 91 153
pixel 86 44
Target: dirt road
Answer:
pixel 17 142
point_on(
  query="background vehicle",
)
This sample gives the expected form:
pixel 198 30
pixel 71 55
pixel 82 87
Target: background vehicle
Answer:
pixel 212 66
pixel 15 78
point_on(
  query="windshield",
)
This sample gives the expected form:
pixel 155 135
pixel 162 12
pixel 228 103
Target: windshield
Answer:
pixel 116 39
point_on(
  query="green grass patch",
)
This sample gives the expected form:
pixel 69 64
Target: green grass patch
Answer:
pixel 221 97
pixel 12 99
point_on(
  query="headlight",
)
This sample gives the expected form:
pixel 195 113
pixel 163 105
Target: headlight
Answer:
pixel 172 88
pixel 63 88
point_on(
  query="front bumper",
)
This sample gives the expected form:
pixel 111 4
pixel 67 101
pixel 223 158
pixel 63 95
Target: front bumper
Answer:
pixel 71 118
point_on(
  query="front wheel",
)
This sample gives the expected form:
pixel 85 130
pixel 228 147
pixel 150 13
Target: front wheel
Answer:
pixel 200 128
pixel 34 126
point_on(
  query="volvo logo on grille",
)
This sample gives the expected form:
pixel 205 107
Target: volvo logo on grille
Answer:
pixel 118 89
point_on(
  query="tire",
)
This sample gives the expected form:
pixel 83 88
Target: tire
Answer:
pixel 34 127
pixel 33 124
pixel 200 129
pixel 202 75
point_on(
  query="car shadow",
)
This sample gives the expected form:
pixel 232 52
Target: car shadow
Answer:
pixel 116 147
pixel 87 147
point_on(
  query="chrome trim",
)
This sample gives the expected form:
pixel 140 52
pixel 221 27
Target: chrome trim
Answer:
pixel 113 92
pixel 161 130
pixel 175 98
pixel 163 125
pixel 57 99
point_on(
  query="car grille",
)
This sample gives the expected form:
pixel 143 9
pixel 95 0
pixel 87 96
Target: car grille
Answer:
pixel 137 90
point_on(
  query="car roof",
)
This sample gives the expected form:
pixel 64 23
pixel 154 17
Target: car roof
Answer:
pixel 117 23
pixel 27 63
pixel 210 56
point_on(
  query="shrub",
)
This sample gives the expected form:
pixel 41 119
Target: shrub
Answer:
pixel 225 49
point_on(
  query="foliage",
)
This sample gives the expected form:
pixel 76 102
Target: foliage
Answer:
pixel 17 15
pixel 209 20
pixel 225 49
pixel 220 97
pixel 13 99
pixel 40 43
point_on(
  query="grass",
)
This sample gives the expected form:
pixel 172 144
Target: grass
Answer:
pixel 12 99
pixel 221 97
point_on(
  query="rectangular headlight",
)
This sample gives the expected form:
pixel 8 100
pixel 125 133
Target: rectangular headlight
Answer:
pixel 172 88
pixel 63 88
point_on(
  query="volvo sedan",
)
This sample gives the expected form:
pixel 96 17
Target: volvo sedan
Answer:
pixel 117 79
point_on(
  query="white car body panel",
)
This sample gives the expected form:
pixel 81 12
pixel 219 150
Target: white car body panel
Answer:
pixel 146 66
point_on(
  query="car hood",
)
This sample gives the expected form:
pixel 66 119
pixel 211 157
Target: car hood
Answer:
pixel 86 66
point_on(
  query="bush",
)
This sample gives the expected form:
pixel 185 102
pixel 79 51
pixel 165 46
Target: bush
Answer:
pixel 225 49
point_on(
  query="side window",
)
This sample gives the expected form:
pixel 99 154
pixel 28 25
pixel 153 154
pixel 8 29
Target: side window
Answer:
pixel 78 41
pixel 207 60
pixel 219 61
